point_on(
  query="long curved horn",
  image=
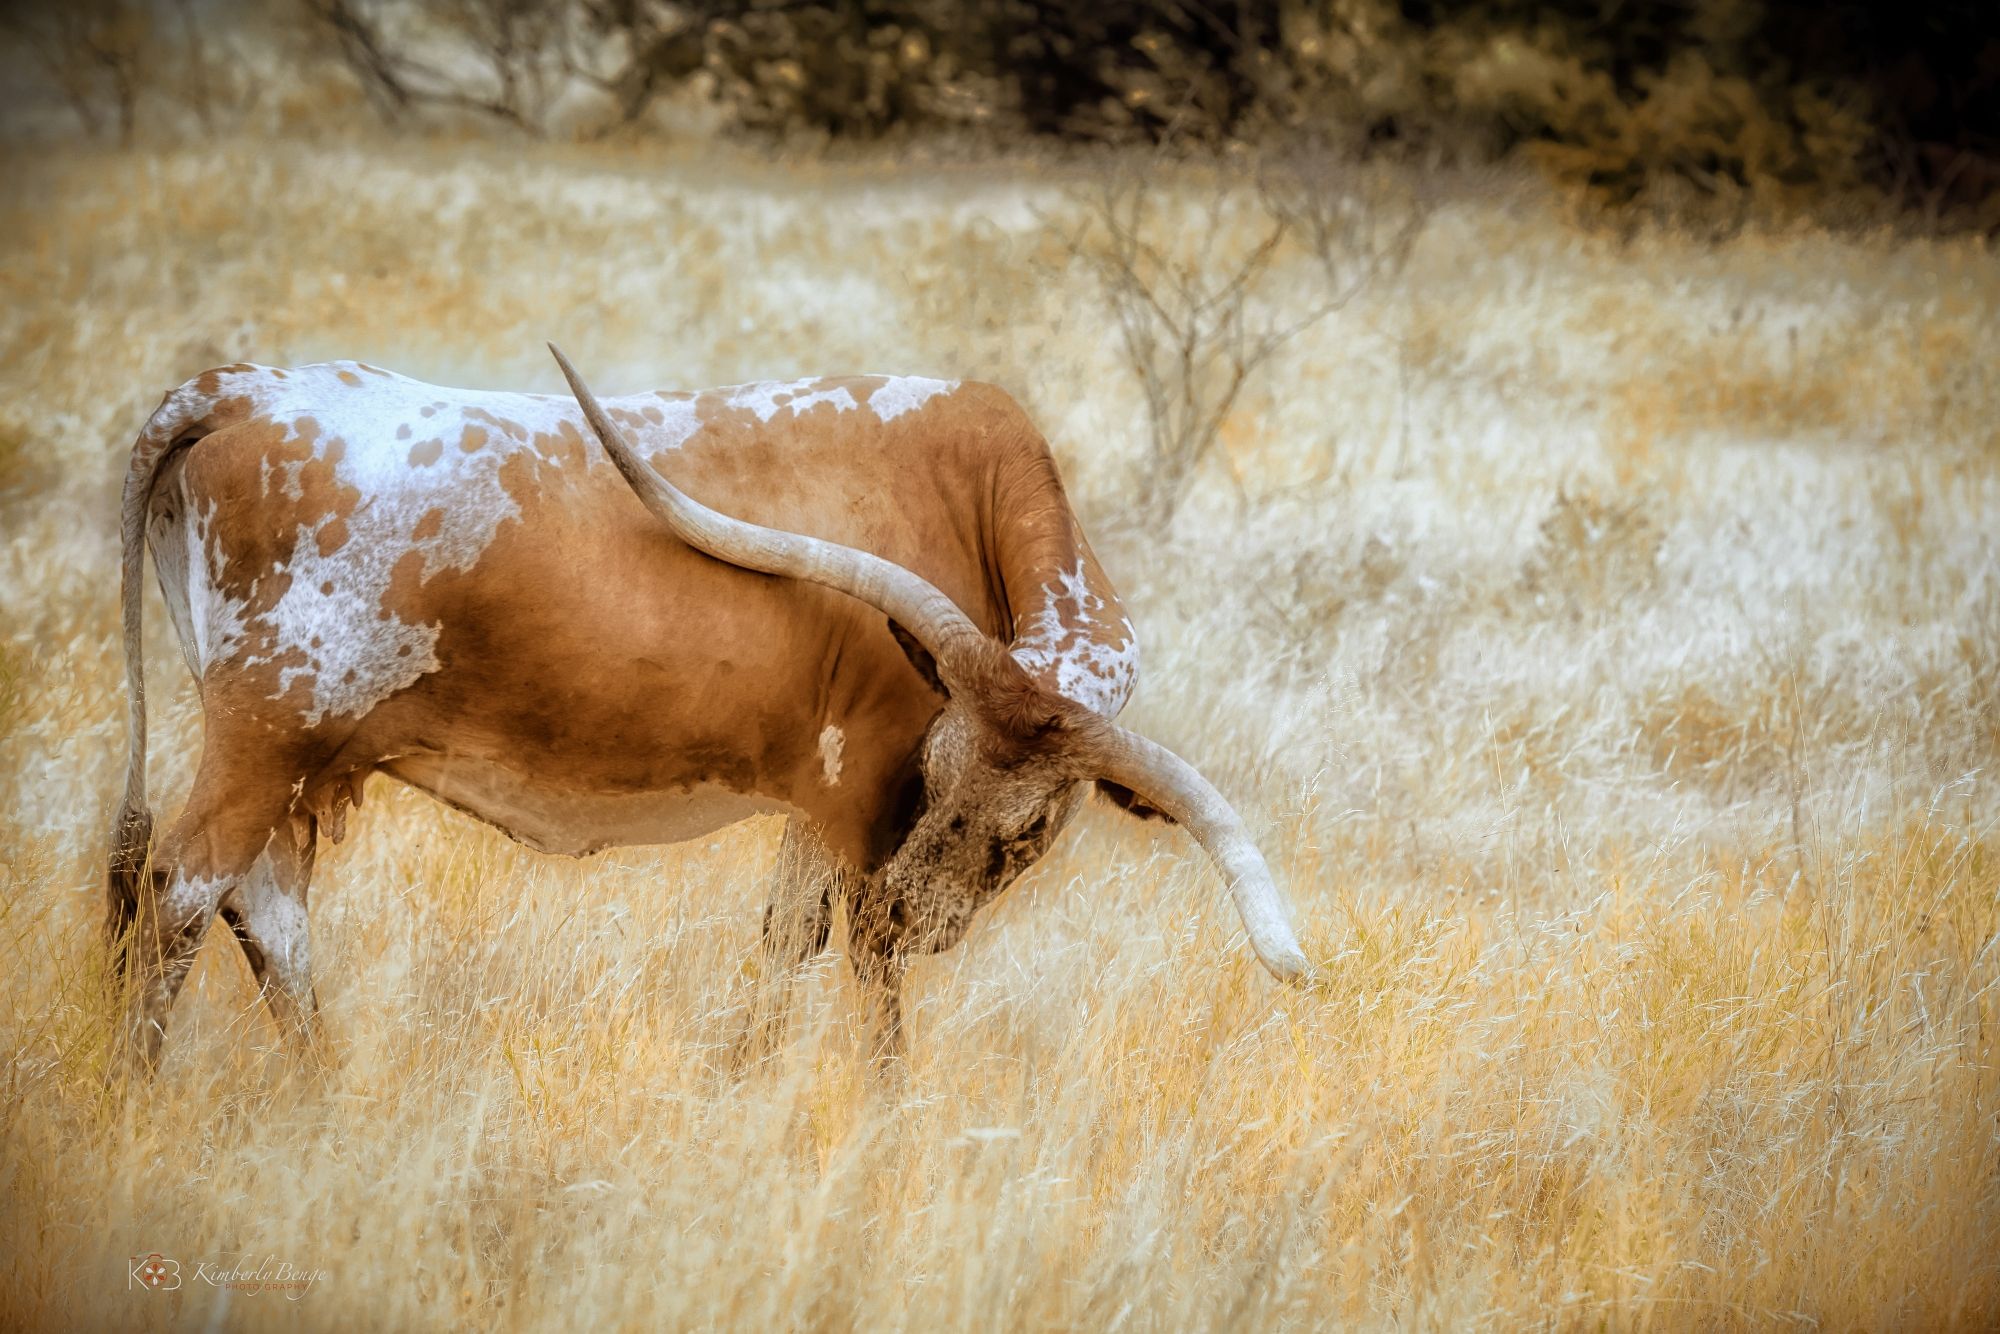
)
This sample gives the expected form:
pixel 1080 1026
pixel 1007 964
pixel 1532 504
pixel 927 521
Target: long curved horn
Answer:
pixel 1172 784
pixel 910 600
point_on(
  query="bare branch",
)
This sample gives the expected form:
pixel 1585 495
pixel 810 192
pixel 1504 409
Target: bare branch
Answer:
pixel 1195 319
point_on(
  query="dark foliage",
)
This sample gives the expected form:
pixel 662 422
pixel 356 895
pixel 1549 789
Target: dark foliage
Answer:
pixel 1923 79
pixel 1709 102
pixel 1699 100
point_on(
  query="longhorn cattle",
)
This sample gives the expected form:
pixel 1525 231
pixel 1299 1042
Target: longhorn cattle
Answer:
pixel 897 635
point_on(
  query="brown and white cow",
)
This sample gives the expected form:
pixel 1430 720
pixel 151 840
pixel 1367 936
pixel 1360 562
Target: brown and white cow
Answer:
pixel 369 574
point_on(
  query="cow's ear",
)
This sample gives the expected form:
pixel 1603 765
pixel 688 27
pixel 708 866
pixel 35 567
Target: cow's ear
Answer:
pixel 1132 801
pixel 920 658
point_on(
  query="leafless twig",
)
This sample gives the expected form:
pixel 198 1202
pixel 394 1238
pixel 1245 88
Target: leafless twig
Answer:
pixel 1194 318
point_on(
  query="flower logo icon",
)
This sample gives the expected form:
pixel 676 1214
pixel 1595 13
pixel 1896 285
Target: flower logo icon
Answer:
pixel 153 1272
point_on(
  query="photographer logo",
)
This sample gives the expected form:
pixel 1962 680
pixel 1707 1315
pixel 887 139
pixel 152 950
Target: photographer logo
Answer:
pixel 154 1272
pixel 246 1272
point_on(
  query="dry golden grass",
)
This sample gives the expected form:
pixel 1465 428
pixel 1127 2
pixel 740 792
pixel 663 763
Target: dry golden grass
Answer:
pixel 1604 644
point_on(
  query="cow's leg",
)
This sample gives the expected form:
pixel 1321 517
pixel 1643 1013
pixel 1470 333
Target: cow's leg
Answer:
pixel 267 911
pixel 874 933
pixel 880 972
pixel 810 878
pixel 797 922
pixel 206 856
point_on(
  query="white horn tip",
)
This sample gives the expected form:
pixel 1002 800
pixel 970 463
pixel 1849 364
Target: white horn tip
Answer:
pixel 1288 964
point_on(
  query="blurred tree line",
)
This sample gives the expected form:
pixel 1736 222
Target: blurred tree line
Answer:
pixel 1690 104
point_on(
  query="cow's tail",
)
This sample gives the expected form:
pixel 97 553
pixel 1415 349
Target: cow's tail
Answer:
pixel 177 423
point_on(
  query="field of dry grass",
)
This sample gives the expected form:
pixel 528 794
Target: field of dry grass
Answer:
pixel 1602 638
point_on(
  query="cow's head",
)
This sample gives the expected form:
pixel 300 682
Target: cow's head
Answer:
pixel 1001 763
pixel 999 779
